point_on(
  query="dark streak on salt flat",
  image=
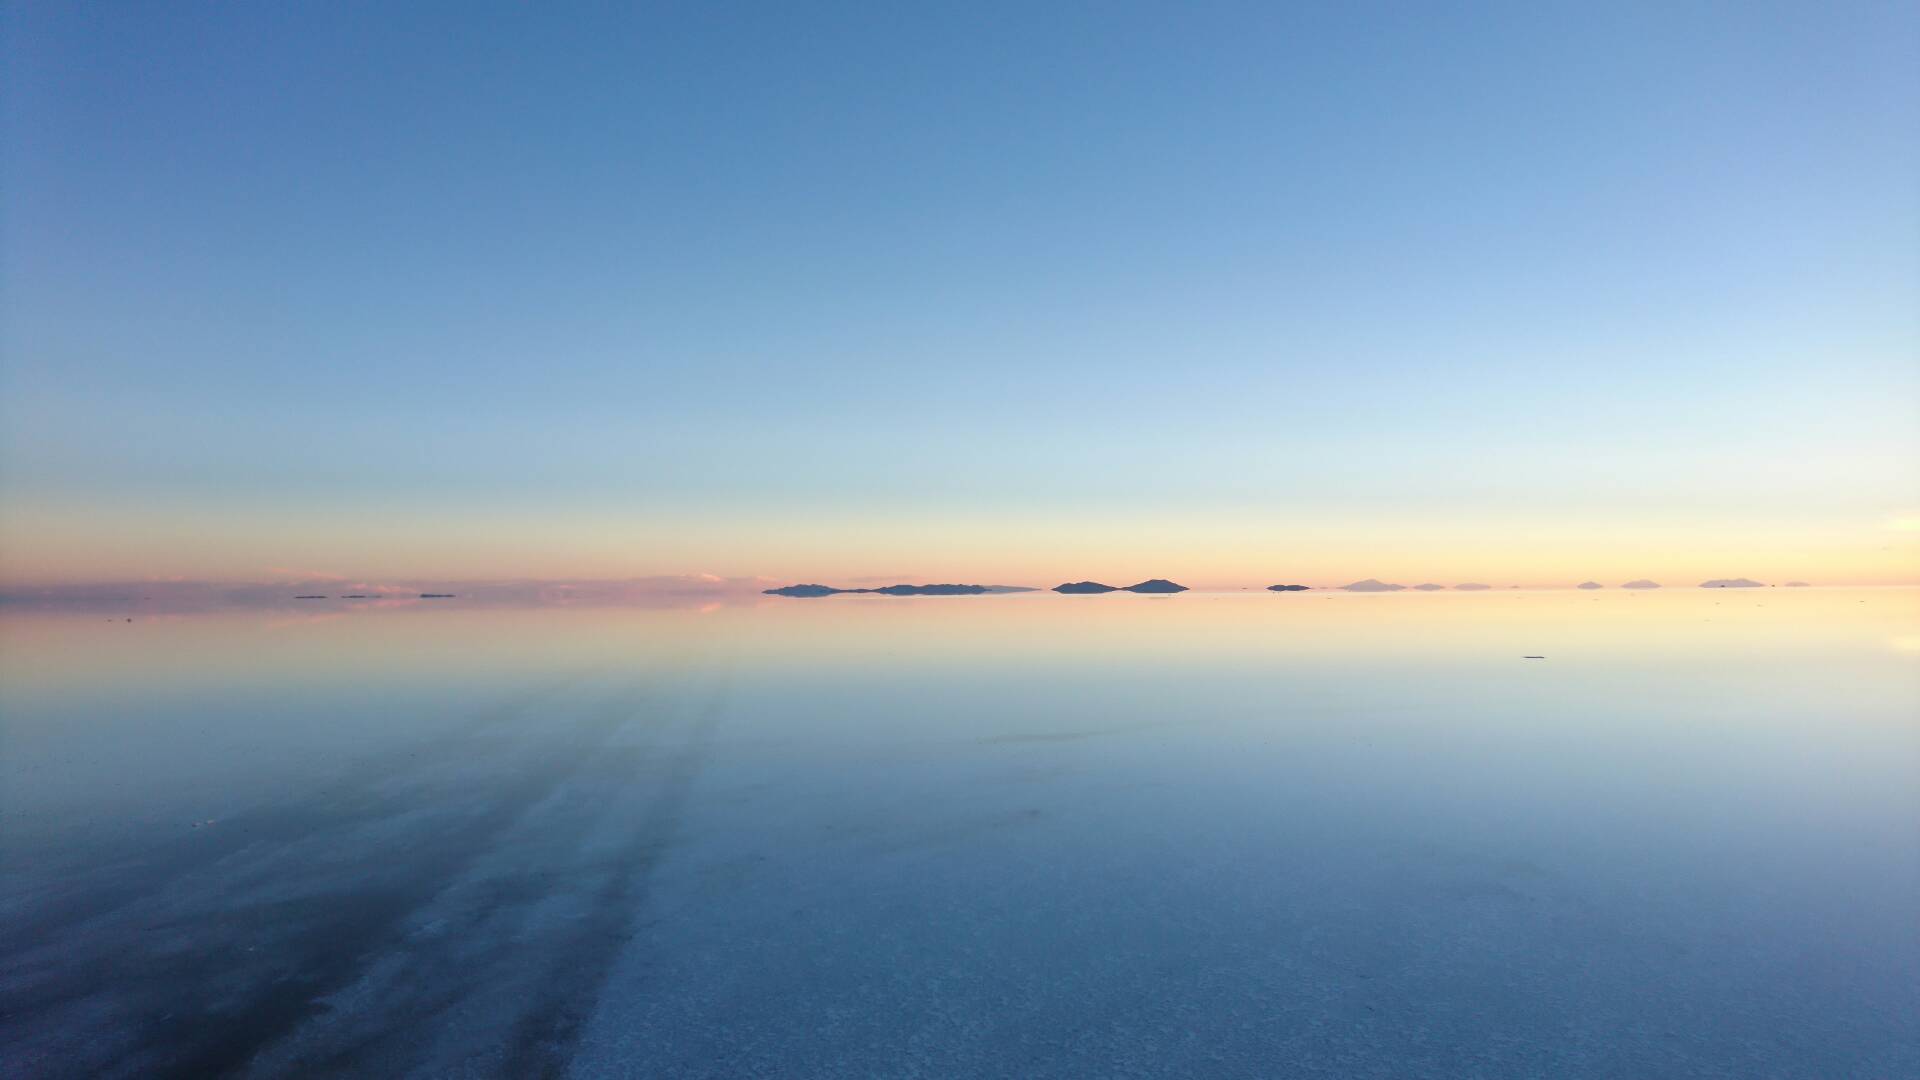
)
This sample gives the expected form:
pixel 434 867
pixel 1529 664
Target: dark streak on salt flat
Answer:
pixel 336 935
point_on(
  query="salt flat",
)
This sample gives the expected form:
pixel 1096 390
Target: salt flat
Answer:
pixel 1203 835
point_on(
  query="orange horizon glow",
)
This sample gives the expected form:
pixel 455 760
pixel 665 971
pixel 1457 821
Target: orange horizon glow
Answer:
pixel 44 547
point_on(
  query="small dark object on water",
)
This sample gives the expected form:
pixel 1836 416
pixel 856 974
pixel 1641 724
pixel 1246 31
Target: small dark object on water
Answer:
pixel 1288 588
pixel 309 598
pixel 436 596
pixel 1533 658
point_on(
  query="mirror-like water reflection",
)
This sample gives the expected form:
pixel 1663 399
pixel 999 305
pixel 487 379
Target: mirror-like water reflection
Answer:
pixel 1232 835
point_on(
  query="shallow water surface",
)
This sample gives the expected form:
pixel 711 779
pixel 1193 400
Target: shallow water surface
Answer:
pixel 1022 835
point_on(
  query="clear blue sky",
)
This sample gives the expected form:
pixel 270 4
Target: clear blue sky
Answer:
pixel 648 290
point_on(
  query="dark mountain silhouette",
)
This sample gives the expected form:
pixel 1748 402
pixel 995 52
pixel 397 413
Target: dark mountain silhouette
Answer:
pixel 1085 587
pixel 1732 583
pixel 897 590
pixel 1371 585
pixel 1589 585
pixel 1157 585
pixel 1641 583
pixel 1288 588
pixel 1472 586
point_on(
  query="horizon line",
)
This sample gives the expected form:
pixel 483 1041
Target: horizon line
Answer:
pixel 712 584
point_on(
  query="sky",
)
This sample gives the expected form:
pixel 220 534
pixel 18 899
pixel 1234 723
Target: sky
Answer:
pixel 1016 293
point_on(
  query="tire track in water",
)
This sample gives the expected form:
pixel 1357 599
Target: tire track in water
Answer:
pixel 518 950
pixel 179 1012
pixel 334 953
pixel 107 887
pixel 543 1042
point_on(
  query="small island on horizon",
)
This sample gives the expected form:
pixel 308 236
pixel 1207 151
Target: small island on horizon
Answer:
pixel 899 590
pixel 1164 586
pixel 1372 585
pixel 1151 585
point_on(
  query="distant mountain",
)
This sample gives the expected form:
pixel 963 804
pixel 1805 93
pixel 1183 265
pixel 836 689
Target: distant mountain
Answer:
pixel 1370 585
pixel 1429 587
pixel 1798 585
pixel 1732 583
pixel 1589 585
pixel 1154 585
pixel 1288 588
pixel 1472 586
pixel 897 590
pixel 1642 583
